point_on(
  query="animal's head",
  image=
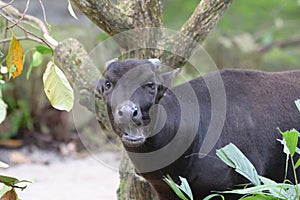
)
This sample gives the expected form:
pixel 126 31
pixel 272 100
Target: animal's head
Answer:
pixel 131 88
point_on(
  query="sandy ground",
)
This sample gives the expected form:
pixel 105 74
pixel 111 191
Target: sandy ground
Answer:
pixel 68 179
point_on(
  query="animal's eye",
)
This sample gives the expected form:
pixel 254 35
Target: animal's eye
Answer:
pixel 107 85
pixel 150 85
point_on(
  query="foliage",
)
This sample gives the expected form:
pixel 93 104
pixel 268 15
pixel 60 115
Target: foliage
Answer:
pixel 19 117
pixel 14 58
pixel 181 190
pixel 262 188
pixel 3 105
pixel 8 185
pixel 13 61
pixel 57 88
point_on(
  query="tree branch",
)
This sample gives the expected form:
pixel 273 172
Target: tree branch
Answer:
pixel 105 15
pixel 11 11
pixel 143 14
pixel 204 19
pixel 195 30
pixel 280 44
pixel 6 40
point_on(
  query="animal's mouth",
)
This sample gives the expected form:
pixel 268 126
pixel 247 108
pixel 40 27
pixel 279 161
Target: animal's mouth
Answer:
pixel 132 136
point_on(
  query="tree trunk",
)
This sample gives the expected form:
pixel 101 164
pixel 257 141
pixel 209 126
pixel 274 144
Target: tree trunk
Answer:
pixel 127 15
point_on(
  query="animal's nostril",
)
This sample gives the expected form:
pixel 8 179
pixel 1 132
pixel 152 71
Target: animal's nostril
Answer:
pixel 135 113
pixel 128 113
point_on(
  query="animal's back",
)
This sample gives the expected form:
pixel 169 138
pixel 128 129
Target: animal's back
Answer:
pixel 257 103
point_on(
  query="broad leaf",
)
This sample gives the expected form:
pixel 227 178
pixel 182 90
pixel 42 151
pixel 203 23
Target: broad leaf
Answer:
pixel 233 157
pixel 57 88
pixel 71 11
pixel 14 59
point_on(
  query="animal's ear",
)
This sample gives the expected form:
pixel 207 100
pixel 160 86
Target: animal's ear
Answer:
pixel 155 62
pixel 168 77
pixel 110 62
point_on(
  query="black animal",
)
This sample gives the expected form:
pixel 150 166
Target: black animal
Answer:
pixel 161 137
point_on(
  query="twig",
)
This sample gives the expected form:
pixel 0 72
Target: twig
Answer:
pixel 6 40
pixel 48 40
pixel 44 12
pixel 8 4
pixel 5 33
pixel 22 16
pixel 29 32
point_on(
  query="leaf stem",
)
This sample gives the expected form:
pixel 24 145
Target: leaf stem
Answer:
pixel 295 177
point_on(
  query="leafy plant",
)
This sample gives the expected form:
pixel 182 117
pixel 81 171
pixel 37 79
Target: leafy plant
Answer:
pixel 13 61
pixel 180 190
pixel 262 188
pixel 8 185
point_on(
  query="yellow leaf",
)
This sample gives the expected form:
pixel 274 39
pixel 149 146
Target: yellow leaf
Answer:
pixel 14 58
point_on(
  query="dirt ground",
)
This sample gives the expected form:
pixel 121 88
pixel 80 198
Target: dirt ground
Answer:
pixel 67 178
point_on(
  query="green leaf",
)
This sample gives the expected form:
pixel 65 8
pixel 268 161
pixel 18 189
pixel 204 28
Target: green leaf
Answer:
pixel 297 102
pixel 175 187
pixel 3 109
pixel 37 59
pixel 7 180
pixel 43 49
pixel 263 190
pixel 185 187
pixel 71 11
pixel 4 189
pixel 291 140
pixel 259 197
pixel 297 164
pixel 234 158
pixel 11 181
pixel 3 165
pixel 57 88
pixel 212 196
pixel 273 191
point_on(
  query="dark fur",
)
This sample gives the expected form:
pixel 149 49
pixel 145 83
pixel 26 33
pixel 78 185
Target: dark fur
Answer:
pixel 257 104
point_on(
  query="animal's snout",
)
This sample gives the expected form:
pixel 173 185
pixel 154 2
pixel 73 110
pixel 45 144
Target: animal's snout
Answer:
pixel 128 112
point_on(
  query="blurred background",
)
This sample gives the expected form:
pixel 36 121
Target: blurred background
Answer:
pixel 39 141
